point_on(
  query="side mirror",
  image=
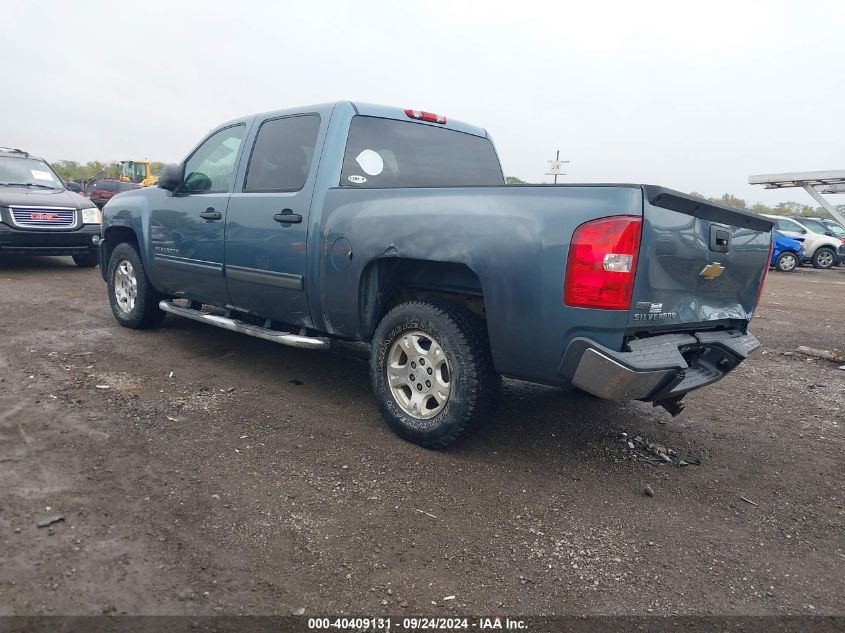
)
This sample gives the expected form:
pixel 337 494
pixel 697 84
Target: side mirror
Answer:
pixel 75 187
pixel 171 177
pixel 197 182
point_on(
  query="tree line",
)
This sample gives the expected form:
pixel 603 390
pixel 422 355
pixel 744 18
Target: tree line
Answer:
pixel 70 170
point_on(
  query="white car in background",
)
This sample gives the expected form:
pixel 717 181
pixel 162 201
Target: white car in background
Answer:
pixel 823 251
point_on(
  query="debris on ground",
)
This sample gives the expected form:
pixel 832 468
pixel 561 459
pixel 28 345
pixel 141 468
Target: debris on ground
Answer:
pixel 655 454
pixel 299 611
pixel 824 354
pixel 51 520
pixel 747 500
pixel 648 491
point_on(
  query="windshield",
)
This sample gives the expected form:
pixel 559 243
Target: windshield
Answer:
pixel 837 230
pixel 28 172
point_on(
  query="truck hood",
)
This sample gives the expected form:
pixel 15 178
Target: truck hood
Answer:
pixel 26 197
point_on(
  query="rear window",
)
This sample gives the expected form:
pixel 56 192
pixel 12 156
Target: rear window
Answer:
pixel 107 185
pixel 389 153
pixel 129 186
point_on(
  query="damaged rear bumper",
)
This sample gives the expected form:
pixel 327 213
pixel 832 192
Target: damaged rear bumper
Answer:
pixel 658 368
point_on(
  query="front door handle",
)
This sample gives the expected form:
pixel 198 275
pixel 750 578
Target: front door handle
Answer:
pixel 287 216
pixel 211 214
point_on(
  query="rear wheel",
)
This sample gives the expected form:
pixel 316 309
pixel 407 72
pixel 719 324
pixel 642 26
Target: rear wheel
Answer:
pixel 823 258
pixel 88 260
pixel 134 302
pixel 786 262
pixel 432 372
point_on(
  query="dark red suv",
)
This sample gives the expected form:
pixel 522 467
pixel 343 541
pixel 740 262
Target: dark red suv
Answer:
pixel 104 190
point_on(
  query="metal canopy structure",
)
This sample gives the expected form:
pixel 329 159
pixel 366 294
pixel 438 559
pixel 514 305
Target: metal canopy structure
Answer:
pixel 813 182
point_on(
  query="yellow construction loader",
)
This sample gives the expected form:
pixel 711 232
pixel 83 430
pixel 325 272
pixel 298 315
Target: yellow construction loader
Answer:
pixel 137 171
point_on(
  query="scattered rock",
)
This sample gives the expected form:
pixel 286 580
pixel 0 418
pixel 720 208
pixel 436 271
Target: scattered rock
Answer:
pixel 648 491
pixel 298 611
pixel 17 530
pixel 51 520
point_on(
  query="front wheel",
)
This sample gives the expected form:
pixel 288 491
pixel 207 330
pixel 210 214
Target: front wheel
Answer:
pixel 134 302
pixel 88 260
pixel 432 372
pixel 823 258
pixel 786 262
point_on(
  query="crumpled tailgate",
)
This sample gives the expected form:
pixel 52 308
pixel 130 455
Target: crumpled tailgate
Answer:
pixel 699 262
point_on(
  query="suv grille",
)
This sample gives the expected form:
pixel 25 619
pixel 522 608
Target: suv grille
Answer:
pixel 44 217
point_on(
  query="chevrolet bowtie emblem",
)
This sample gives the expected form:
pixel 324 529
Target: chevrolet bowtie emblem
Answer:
pixel 711 271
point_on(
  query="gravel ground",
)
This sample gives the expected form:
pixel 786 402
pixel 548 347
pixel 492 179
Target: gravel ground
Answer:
pixel 203 472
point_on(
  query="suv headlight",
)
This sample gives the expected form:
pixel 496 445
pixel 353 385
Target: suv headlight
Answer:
pixel 92 216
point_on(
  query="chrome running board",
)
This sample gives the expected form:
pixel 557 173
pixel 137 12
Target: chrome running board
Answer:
pixel 235 325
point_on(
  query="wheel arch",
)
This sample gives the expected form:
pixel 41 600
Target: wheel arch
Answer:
pixel 388 281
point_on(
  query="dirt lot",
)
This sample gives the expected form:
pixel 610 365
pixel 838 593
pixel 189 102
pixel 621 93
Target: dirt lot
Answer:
pixel 203 472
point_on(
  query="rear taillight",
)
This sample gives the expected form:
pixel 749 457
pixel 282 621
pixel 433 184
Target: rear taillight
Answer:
pixel 426 116
pixel 602 262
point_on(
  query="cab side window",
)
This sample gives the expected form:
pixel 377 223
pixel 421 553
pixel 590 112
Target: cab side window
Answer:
pixel 211 168
pixel 282 154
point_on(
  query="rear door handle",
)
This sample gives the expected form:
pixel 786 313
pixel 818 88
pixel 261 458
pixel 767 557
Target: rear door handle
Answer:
pixel 211 214
pixel 287 216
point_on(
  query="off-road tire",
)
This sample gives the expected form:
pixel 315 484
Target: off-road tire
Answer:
pixel 145 313
pixel 819 252
pixel 88 260
pixel 783 260
pixel 473 382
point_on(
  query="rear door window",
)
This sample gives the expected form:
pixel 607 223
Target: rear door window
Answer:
pixel 282 154
pixel 391 153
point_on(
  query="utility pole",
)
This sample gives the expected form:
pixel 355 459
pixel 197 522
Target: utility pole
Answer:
pixel 556 166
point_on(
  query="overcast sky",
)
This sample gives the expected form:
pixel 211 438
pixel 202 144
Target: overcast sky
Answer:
pixel 690 95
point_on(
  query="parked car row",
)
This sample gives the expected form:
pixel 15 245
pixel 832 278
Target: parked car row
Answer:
pixel 823 242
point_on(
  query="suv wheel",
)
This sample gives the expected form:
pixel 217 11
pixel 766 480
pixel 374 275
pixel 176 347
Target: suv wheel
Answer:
pixel 823 258
pixel 88 260
pixel 786 262
pixel 134 302
pixel 432 372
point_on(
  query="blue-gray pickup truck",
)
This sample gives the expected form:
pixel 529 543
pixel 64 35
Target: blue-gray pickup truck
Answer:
pixel 395 227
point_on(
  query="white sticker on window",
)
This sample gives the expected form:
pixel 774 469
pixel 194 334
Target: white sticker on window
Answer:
pixel 371 162
pixel 358 180
pixel 41 175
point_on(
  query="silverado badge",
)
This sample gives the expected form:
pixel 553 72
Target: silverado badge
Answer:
pixel 711 271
